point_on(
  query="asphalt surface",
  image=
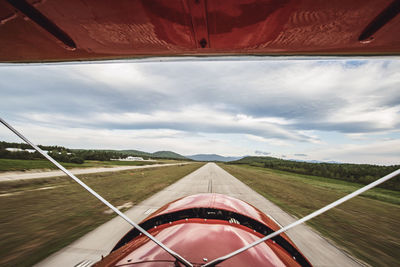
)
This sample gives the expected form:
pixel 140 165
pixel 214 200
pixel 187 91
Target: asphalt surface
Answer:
pixel 209 178
pixel 12 176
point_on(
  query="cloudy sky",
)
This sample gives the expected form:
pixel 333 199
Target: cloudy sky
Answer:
pixel 341 110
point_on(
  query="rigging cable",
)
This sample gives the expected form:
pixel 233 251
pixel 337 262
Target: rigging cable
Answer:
pixel 306 218
pixel 232 254
pixel 178 257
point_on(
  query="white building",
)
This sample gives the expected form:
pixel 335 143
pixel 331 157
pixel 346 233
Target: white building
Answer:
pixel 14 149
pixel 132 159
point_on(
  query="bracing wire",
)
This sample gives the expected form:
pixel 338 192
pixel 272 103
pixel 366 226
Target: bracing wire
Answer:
pixel 304 219
pixel 225 257
pixel 178 257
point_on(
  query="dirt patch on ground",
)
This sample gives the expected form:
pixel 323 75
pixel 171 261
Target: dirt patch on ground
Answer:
pixel 21 192
pixel 126 205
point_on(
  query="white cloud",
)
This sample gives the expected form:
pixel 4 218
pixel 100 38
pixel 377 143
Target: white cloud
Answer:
pixel 284 105
pixel 378 152
pixel 117 76
pixel 269 141
pixel 147 140
pixel 195 119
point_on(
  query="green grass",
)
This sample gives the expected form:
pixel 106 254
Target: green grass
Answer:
pixel 23 165
pixel 35 223
pixel 366 226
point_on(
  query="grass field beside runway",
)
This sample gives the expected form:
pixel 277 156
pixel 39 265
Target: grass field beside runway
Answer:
pixel 366 226
pixel 23 165
pixel 40 216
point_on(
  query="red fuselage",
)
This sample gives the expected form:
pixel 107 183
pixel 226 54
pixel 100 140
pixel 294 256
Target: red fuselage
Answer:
pixel 204 227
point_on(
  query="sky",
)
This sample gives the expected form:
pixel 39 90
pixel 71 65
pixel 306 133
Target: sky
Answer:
pixel 326 110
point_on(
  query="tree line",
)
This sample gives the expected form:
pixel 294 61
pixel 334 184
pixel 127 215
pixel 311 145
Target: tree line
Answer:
pixel 4 145
pixel 64 154
pixel 358 173
pixel 59 153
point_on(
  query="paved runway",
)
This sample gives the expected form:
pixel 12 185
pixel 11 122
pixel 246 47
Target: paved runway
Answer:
pixel 12 176
pixel 209 178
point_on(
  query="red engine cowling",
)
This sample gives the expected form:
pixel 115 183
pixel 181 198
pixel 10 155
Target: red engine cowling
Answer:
pixel 201 228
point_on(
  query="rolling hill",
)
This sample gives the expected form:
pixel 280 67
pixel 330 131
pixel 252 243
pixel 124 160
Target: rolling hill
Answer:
pixel 138 153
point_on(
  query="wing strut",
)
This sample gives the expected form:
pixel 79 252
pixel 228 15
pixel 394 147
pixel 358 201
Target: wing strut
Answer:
pixel 306 218
pixel 178 257
pixel 228 256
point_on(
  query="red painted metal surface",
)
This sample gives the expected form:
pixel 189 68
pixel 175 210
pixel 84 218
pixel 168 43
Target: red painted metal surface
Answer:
pixel 199 240
pixel 216 201
pixel 102 29
pixel 222 202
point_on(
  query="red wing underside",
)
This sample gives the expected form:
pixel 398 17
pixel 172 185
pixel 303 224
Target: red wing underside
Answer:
pixel 55 30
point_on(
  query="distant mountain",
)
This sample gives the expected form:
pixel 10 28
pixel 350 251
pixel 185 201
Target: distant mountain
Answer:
pixel 315 161
pixel 134 152
pixel 158 154
pixel 212 157
pixel 167 154
pixel 263 159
